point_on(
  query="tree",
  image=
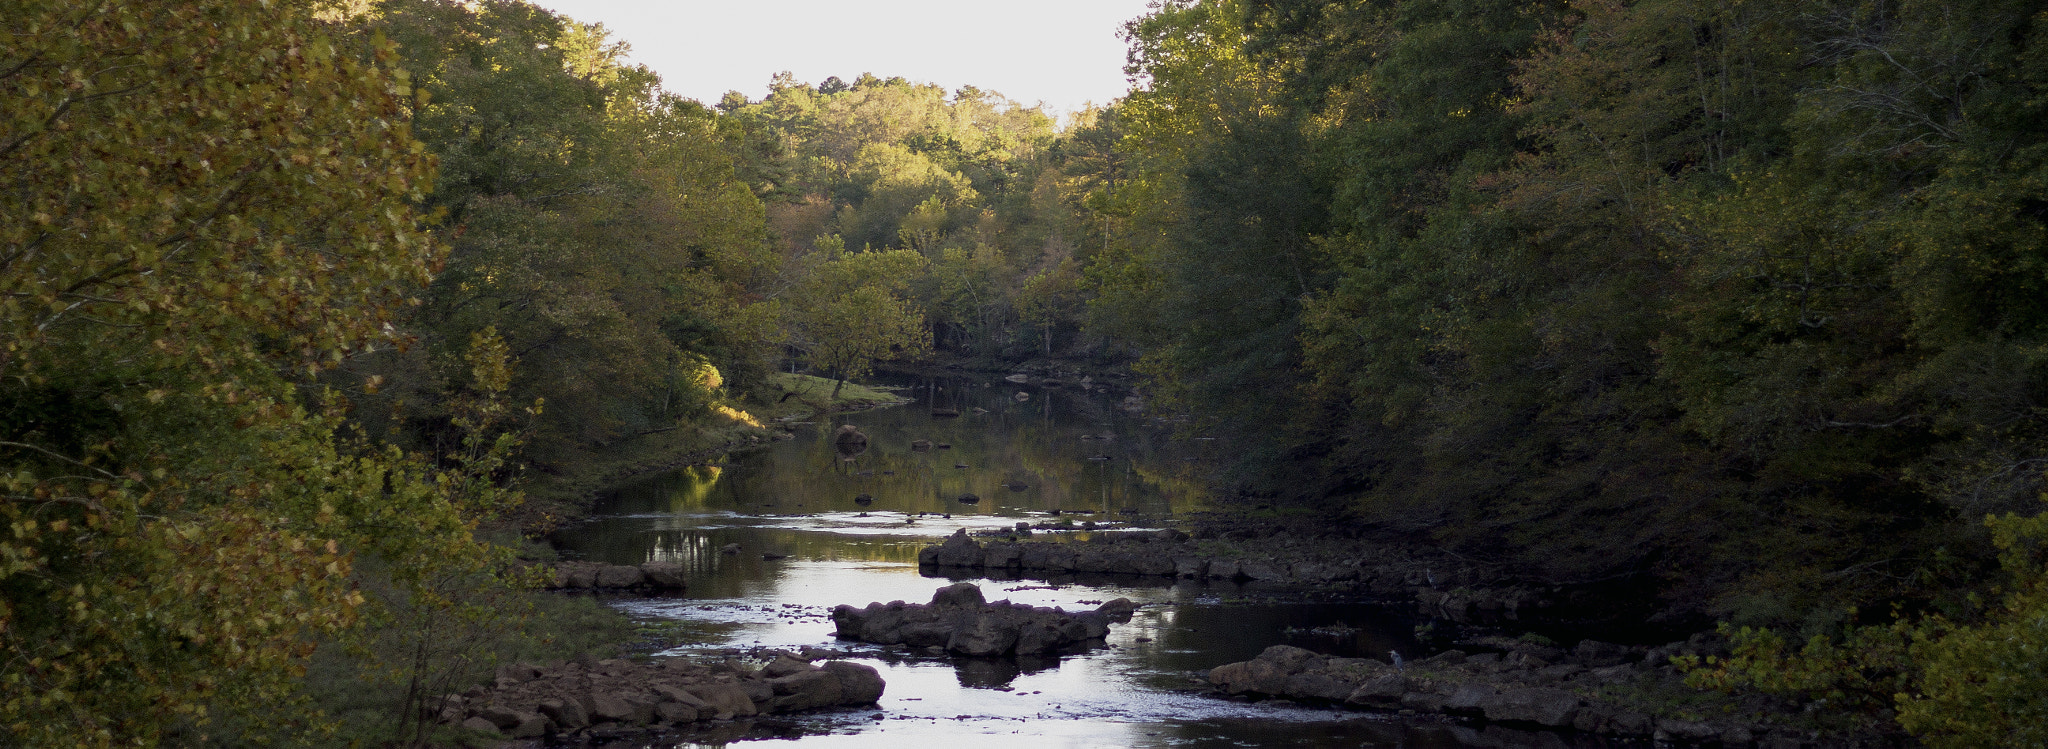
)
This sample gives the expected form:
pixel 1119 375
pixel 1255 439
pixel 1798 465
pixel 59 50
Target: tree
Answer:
pixel 847 311
pixel 210 201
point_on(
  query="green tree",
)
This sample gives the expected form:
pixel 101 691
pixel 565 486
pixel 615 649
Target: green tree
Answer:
pixel 848 311
pixel 211 201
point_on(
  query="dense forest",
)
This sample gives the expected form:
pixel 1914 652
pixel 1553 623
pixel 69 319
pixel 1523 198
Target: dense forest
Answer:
pixel 311 307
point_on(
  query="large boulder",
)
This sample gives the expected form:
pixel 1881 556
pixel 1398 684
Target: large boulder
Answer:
pixel 1469 698
pixel 1547 707
pixel 958 595
pixel 960 621
pixel 858 684
pixel 1256 676
pixel 988 634
pixel 619 576
pixel 1290 658
pixel 568 715
pixel 807 690
pixel 1058 557
pixel 959 551
pixel 1000 554
pixel 576 575
pixel 785 665
pixel 1117 610
pixel 727 701
pixel 1264 570
pixel 1383 689
pixel 665 575
pixel 619 708
pixel 1316 685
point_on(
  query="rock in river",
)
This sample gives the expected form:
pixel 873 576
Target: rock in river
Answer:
pixel 961 622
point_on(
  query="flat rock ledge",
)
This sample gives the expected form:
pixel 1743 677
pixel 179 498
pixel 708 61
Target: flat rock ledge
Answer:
pixel 600 576
pixel 959 621
pixel 1445 590
pixel 620 696
pixel 1519 688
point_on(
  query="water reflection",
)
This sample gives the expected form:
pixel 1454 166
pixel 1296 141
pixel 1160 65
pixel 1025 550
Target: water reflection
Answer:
pixel 773 539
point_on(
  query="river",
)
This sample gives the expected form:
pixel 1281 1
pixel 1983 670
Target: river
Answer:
pixel 1031 454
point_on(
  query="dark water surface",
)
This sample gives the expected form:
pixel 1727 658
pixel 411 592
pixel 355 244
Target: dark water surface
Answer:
pixel 805 545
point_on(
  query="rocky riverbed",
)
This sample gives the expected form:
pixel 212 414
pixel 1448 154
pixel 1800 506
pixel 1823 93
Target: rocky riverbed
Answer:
pixel 1592 687
pixel 1598 688
pixel 1442 588
pixel 618 697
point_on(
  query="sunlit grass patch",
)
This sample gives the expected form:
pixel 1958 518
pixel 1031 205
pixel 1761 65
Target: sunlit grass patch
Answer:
pixel 736 415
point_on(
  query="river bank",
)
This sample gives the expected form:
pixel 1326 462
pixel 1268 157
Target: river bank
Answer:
pixel 1484 658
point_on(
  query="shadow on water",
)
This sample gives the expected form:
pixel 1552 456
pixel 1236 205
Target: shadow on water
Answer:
pixel 773 538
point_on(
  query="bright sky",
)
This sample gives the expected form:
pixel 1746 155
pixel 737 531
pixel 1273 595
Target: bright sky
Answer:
pixel 1060 52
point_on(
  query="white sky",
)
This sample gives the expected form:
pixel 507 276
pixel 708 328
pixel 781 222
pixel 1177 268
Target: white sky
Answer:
pixel 1060 52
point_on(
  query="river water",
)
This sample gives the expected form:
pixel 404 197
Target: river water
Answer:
pixel 1031 454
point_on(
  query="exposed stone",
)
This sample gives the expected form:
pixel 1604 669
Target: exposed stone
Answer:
pixel 1673 729
pixel 1000 555
pixel 607 706
pixel 959 551
pixel 1289 658
pixel 1624 721
pixel 987 634
pixel 784 666
pixel 805 691
pixel 666 575
pixel 680 696
pixel 959 621
pixel 576 576
pixel 567 714
pixel 1118 610
pixel 727 701
pixel 618 576
pixel 858 684
pixel 1258 676
pixel 1382 689
pixel 1423 702
pixel 1596 654
pixel 1316 685
pixel 959 595
pixel 500 716
pixel 675 712
pixel 1468 697
pixel 1264 570
pixel 1548 707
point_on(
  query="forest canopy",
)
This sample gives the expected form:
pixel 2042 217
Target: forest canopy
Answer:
pixel 1735 305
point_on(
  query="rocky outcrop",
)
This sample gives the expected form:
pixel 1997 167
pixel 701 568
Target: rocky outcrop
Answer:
pixel 597 575
pixel 607 696
pixel 960 622
pixel 1585 690
pixel 1437 589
